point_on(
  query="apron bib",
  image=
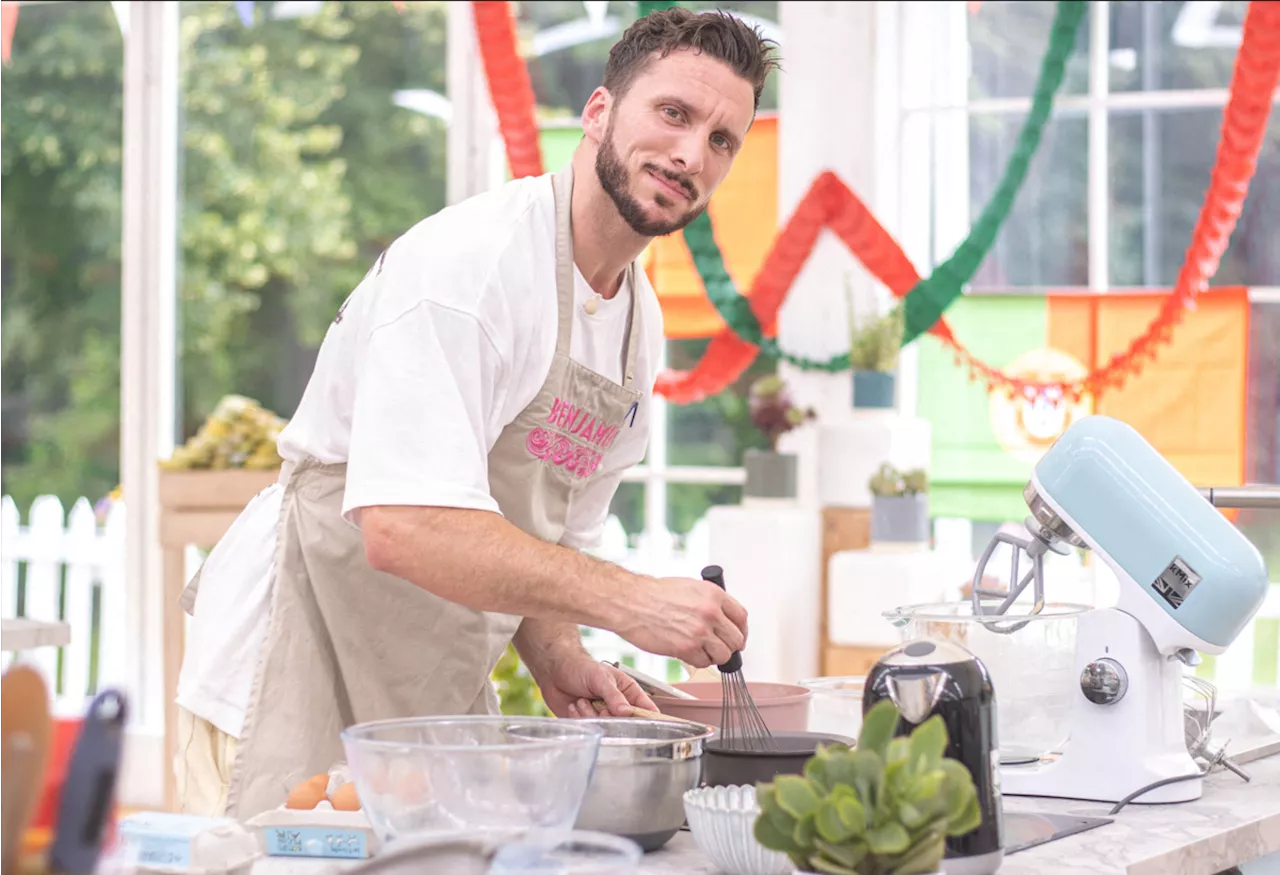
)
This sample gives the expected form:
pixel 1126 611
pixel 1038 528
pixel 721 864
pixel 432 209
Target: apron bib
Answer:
pixel 347 644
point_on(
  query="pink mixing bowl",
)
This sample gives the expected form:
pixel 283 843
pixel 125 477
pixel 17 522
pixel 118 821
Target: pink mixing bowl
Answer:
pixel 784 707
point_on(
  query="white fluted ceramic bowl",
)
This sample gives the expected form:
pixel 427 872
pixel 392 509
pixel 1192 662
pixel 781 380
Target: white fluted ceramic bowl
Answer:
pixel 722 820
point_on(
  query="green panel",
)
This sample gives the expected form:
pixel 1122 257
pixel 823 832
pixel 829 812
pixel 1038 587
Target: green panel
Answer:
pixel 971 474
pixel 1266 651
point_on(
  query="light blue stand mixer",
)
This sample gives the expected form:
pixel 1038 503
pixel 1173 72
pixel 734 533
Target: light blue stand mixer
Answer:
pixel 1189 583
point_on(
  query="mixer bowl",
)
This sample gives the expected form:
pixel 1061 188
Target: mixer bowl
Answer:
pixel 1031 660
pixel 435 774
pixel 642 772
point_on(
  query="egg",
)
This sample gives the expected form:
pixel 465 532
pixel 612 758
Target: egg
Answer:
pixel 305 796
pixel 345 798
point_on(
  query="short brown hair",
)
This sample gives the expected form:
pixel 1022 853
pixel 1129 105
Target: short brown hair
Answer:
pixel 716 33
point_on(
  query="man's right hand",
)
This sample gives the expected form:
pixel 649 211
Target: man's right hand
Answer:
pixel 692 620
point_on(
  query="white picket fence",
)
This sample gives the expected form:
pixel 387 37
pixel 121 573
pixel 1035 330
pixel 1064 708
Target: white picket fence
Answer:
pixel 70 567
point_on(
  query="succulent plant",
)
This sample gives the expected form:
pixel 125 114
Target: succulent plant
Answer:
pixel 874 345
pixel 772 410
pixel 885 807
pixel 888 481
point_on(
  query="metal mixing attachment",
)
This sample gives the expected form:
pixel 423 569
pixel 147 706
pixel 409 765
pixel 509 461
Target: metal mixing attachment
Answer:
pixel 741 726
pixel 1197 726
pixel 1045 532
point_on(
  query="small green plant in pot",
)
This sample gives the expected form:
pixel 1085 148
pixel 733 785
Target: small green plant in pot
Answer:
pixel 886 807
pixel 873 354
pixel 771 474
pixel 899 505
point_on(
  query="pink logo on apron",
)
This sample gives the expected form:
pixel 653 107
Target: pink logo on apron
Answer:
pixel 576 439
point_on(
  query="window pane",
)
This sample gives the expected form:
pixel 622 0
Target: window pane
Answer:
pixel 1044 241
pixel 567 50
pixel 1007 42
pixel 718 430
pixel 303 158
pixel 687 503
pixel 1262 441
pixel 1158 46
pixel 1160 166
pixel 63 113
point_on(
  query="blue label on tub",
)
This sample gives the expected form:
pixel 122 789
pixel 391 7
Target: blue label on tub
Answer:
pixel 313 841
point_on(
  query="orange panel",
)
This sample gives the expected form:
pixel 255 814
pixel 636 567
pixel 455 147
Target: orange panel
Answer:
pixel 744 213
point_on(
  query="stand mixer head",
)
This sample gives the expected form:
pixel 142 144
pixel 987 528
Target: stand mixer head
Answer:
pixel 1189 583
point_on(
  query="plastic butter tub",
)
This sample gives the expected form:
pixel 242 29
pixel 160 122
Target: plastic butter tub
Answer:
pixel 184 844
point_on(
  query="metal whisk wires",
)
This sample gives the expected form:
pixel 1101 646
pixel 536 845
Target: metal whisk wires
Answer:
pixel 741 726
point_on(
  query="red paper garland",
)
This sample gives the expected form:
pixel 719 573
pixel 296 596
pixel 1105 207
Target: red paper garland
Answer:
pixel 509 85
pixel 831 204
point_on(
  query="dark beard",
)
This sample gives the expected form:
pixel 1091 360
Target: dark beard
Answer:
pixel 615 181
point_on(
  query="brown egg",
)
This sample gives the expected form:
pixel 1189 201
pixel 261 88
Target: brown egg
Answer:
pixel 345 798
pixel 309 793
pixel 305 796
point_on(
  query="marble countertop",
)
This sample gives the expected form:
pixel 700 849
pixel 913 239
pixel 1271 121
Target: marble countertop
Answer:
pixel 1233 822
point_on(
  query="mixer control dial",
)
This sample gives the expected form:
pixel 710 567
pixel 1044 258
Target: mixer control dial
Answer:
pixel 1104 682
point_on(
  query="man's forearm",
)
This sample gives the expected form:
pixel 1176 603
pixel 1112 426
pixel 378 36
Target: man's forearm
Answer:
pixel 480 560
pixel 543 643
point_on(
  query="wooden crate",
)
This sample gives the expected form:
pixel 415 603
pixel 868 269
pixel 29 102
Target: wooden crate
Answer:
pixel 196 507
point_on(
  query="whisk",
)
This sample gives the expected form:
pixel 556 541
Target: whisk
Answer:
pixel 1198 730
pixel 741 726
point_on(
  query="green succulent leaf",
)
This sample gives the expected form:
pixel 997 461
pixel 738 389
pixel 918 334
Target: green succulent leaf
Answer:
pixel 771 837
pixel 852 815
pixel 849 855
pixel 806 830
pixel 969 819
pixel 925 856
pixel 888 838
pixel 815 769
pixel 928 744
pixel 796 796
pixel 818 863
pixel 878 727
pixel 912 818
pixel 831 827
pixel 767 797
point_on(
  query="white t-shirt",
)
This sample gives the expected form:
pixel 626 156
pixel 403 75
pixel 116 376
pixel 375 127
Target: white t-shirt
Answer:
pixel 448 337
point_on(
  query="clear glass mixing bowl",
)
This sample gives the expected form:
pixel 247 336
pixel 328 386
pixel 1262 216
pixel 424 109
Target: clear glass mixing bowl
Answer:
pixel 836 706
pixel 1031 660
pixel 435 774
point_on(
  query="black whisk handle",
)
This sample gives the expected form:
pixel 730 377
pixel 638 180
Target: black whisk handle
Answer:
pixel 715 574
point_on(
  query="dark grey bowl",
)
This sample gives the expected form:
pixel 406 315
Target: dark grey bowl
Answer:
pixel 723 768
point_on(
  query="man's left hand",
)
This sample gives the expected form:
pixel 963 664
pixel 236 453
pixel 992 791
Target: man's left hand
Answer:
pixel 574 682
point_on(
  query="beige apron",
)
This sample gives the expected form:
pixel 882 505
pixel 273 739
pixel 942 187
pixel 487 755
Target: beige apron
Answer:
pixel 347 644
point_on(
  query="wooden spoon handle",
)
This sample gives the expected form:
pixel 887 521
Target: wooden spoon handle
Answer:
pixel 645 714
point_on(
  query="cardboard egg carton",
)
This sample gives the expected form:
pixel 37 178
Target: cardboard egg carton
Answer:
pixel 315 832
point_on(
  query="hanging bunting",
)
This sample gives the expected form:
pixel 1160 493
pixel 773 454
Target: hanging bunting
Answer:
pixel 509 85
pixel 830 204
pixel 927 301
pixel 8 21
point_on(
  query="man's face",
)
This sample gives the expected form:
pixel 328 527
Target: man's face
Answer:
pixel 671 140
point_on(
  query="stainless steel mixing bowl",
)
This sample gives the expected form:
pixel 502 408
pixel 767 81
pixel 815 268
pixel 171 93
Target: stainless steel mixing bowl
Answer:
pixel 643 769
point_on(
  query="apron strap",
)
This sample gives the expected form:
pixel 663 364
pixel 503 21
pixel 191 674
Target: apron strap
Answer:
pixel 562 185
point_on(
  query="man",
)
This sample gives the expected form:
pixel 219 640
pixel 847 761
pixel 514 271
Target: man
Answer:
pixel 471 413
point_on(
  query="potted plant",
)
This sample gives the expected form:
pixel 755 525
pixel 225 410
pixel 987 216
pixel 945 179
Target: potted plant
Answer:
pixel 873 355
pixel 886 807
pixel 899 505
pixel 771 474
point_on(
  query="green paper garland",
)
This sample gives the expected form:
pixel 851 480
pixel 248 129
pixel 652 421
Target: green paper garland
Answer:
pixel 925 303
